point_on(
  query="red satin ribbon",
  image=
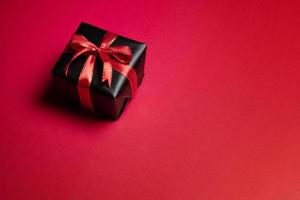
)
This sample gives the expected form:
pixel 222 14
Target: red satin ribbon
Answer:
pixel 116 58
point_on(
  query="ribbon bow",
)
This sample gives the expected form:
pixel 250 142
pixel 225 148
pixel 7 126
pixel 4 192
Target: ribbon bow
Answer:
pixel 117 58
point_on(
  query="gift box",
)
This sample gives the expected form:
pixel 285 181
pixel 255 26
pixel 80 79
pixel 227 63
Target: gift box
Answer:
pixel 100 70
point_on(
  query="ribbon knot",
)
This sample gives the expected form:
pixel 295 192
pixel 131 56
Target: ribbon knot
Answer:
pixel 117 57
pixel 121 54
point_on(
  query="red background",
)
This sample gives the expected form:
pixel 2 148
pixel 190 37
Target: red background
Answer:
pixel 217 116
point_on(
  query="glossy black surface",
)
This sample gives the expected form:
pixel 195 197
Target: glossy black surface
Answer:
pixel 107 101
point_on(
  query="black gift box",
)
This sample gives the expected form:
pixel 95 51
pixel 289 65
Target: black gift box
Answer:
pixel 107 101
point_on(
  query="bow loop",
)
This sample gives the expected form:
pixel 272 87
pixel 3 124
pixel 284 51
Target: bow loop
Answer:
pixel 79 42
pixel 120 53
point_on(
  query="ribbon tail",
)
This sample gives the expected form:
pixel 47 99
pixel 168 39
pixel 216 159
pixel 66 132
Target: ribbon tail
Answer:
pixel 107 69
pixel 84 82
pixel 107 74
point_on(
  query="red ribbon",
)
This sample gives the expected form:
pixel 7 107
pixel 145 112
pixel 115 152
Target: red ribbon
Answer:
pixel 117 58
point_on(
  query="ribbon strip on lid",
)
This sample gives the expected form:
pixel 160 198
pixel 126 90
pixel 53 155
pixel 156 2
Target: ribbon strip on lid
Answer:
pixel 117 58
